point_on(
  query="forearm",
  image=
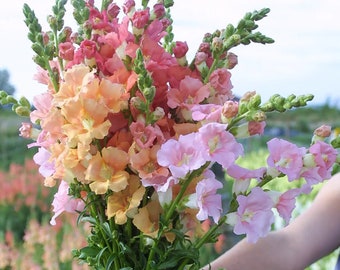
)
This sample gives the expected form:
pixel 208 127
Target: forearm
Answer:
pixel 267 253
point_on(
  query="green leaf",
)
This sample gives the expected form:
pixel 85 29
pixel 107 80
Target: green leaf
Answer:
pixel 107 230
pixel 86 252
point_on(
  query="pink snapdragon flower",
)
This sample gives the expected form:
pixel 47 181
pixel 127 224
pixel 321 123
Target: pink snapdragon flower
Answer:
pixel 191 91
pixel 180 49
pixel 42 158
pixel 205 199
pixel 219 145
pixel 64 202
pixel 182 156
pixel 318 163
pixel 220 81
pixel 254 215
pixel 285 202
pixel 145 136
pixel 43 105
pixel 242 177
pixel 286 157
pixel 140 18
pixel 209 203
pixel 66 51
pixel 207 112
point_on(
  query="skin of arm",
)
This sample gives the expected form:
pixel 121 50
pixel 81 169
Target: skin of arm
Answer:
pixel 312 235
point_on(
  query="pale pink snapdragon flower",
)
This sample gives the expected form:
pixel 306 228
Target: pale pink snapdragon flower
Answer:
pixel 43 105
pixel 206 198
pixel 250 128
pixel 254 216
pixel 42 158
pixel 191 91
pixel 221 83
pixel 181 156
pixel 285 202
pixel 27 131
pixel 242 177
pixel 286 157
pixel 318 162
pixel 145 136
pixel 219 145
pixel 63 202
pixel 206 112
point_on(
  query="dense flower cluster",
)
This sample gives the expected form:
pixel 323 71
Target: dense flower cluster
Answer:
pixel 129 130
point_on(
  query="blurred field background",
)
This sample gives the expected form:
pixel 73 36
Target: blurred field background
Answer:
pixel 27 241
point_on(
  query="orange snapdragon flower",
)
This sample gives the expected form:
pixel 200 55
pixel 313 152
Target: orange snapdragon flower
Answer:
pixel 145 162
pixel 106 170
pixel 147 219
pixel 124 204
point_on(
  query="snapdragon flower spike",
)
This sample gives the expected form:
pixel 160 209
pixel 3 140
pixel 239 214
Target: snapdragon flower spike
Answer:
pixel 281 104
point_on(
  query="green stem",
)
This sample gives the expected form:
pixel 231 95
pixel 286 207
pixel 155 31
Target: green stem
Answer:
pixel 204 239
pixel 212 68
pixel 52 75
pixel 172 209
pixel 183 189
pixel 97 212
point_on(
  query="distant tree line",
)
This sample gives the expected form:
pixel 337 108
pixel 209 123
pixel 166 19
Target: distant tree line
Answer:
pixel 6 85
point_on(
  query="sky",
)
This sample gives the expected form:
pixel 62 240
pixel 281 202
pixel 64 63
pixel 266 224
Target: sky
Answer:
pixel 305 58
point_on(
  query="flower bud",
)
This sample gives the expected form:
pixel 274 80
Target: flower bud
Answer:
pixel 217 45
pixel 323 131
pixel 158 11
pixel 137 103
pixel 254 102
pixel 158 113
pixel 204 47
pixel 180 49
pixel 257 116
pixel 113 10
pixel 25 130
pixel 230 109
pixel 200 61
pixel 22 111
pixel 247 96
pixel 231 60
pixel 24 102
pixel 129 6
pixel 66 51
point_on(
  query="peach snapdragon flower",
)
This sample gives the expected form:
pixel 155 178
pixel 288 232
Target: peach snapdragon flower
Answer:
pixel 106 170
pixel 124 204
